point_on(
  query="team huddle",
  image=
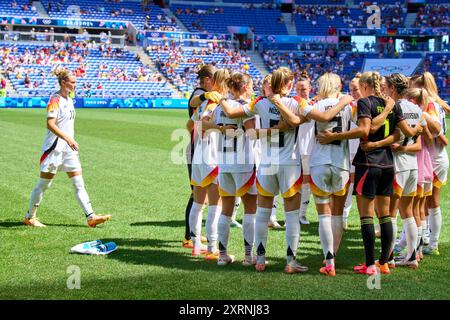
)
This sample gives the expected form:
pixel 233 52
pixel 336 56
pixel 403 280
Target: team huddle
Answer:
pixel 385 143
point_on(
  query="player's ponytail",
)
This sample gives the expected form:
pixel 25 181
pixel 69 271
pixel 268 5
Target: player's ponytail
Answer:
pixel 238 81
pixel 219 81
pixel 62 75
pixel 419 96
pixel 329 85
pixel 281 82
pixel 373 80
pixel 399 82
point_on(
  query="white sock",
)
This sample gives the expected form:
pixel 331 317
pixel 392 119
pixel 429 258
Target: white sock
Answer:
pixel 394 232
pixel 292 233
pixel 402 242
pixel 261 229
pixel 81 195
pixel 411 232
pixel 212 219
pixel 304 199
pixel 348 202
pixel 248 230
pixel 435 224
pixel 195 224
pixel 326 237
pixel 337 227
pixel 223 233
pixel 419 236
pixel 273 214
pixel 37 195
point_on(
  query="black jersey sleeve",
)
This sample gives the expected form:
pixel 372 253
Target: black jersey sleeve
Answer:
pixel 398 113
pixel 363 109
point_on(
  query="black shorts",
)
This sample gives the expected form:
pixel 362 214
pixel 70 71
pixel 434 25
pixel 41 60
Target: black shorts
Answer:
pixel 372 181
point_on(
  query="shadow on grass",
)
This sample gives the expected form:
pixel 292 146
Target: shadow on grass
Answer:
pixel 160 254
pixel 170 224
pixel 11 224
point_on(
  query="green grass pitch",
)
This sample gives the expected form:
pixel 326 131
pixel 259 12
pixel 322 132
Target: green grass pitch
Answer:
pixel 128 173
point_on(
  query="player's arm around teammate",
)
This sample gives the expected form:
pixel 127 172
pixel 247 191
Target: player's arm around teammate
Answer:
pixel 60 153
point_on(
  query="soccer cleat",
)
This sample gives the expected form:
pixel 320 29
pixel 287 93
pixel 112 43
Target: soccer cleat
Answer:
pixel 303 220
pixel 363 269
pixel 212 256
pixel 410 264
pixel 235 224
pixel 95 220
pixel 34 222
pixel 430 251
pixel 384 268
pixel 224 260
pixel 249 261
pixel 328 271
pixel 188 244
pixel 260 265
pixel 295 267
pixel 200 250
pixel 275 225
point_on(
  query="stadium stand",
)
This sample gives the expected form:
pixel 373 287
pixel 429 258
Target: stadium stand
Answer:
pixel 215 19
pixel 18 8
pixel 101 71
pixel 145 18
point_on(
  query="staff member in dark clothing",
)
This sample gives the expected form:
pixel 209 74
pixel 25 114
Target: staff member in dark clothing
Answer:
pixel 204 75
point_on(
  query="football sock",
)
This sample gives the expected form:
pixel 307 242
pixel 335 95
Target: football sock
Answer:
pixel 348 202
pixel 223 233
pixel 368 235
pixel 273 214
pixel 195 224
pixel 212 219
pixel 410 227
pixel 304 200
pixel 419 238
pixel 292 234
pixel 326 237
pixel 37 195
pixel 337 226
pixel 248 230
pixel 261 229
pixel 386 238
pixel 187 231
pixel 81 195
pixel 435 223
pixel 394 237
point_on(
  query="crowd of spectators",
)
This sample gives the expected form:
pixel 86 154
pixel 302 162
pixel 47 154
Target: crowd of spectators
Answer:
pixel 433 16
pixel 23 65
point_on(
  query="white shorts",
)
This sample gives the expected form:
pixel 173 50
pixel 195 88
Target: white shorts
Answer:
pixel 284 179
pixel 55 161
pixel 203 175
pixel 440 175
pixel 424 189
pixel 327 180
pixel 405 183
pixel 305 165
pixel 237 184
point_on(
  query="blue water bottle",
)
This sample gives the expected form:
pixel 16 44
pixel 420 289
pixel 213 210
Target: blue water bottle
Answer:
pixel 107 247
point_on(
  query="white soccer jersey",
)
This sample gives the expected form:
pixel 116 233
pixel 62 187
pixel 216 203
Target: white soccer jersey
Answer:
pixel 305 131
pixel 205 150
pixel 235 154
pixel 63 111
pixel 353 144
pixel 412 113
pixel 439 151
pixel 335 153
pixel 278 148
